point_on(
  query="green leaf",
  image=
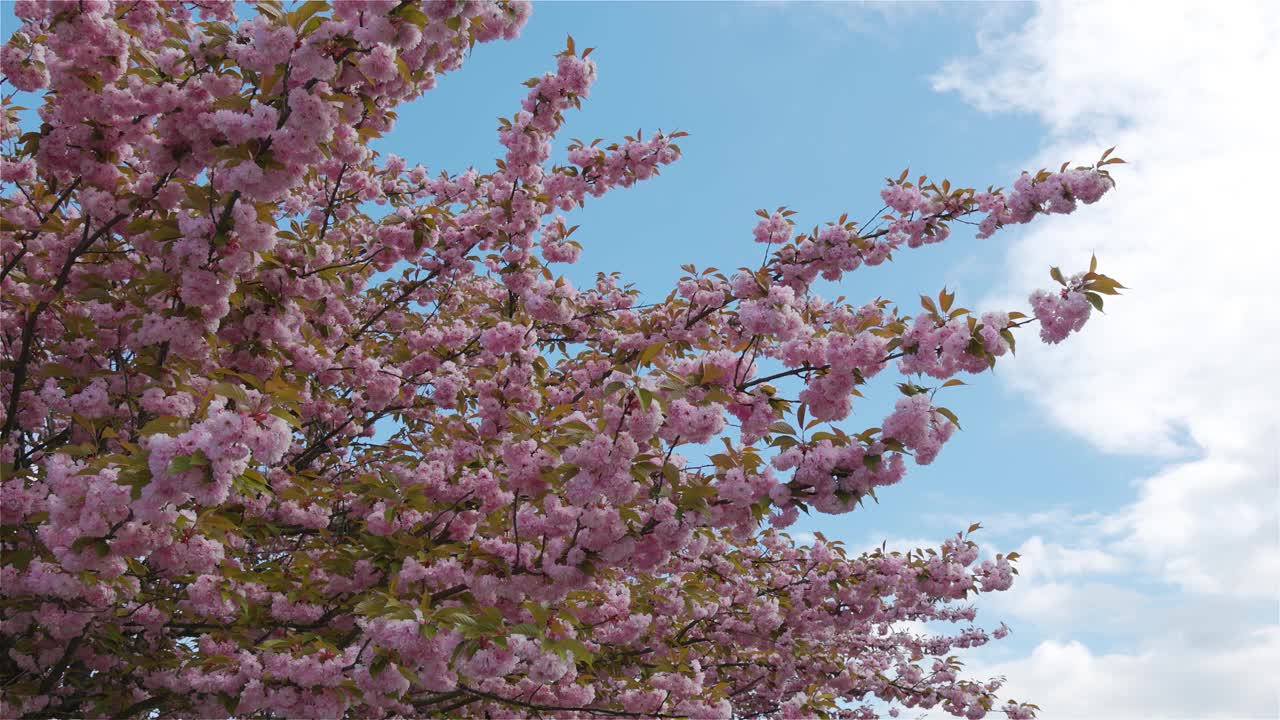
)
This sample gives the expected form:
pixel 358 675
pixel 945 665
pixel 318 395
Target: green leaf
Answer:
pixel 671 473
pixel 305 11
pixel 249 380
pixel 412 14
pixel 575 647
pixel 183 463
pixel 541 613
pixel 287 417
pixel 233 392
pixel 711 373
pixel 700 492
pixel 252 482
pixel 1105 285
pixel 782 427
pixel 649 353
pixel 270 8
pixel 1008 337
pixel 948 415
pixel 527 629
pixel 166 424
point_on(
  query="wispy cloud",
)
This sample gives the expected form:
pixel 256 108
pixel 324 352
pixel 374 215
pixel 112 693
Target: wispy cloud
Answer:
pixel 832 21
pixel 804 538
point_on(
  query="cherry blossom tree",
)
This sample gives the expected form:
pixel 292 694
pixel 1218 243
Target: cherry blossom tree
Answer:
pixel 293 429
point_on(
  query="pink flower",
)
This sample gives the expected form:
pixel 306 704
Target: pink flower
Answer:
pixel 504 338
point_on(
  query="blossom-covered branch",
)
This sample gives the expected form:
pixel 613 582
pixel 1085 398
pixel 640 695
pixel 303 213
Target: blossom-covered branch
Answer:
pixel 293 429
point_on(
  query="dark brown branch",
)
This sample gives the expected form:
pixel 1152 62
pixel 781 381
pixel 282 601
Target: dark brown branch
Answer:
pixel 29 327
pixel 559 708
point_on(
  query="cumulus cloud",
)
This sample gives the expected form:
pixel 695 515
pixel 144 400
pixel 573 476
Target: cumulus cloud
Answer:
pixel 1182 367
pixel 1055 561
pixel 1167 680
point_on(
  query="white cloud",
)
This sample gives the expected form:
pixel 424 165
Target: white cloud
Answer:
pixel 1184 366
pixel 803 538
pixel 1210 525
pixel 863 17
pixel 1053 561
pixel 1060 520
pixel 1100 607
pixel 1165 680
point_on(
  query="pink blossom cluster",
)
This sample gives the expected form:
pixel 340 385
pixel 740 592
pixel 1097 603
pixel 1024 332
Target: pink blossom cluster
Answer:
pixel 773 229
pixel 834 477
pixel 1060 313
pixel 291 428
pixel 617 165
pixel 943 349
pixel 1045 193
pixel 200 464
pixel 919 427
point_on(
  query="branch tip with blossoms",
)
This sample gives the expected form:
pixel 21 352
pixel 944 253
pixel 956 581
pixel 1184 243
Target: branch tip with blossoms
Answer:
pixel 293 429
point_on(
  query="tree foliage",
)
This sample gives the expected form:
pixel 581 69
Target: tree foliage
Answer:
pixel 292 429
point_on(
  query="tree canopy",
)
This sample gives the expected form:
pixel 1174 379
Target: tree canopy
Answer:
pixel 294 429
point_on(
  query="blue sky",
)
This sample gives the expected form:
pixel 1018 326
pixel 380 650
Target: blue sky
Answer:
pixel 785 106
pixel 1124 465
pixel 1134 467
